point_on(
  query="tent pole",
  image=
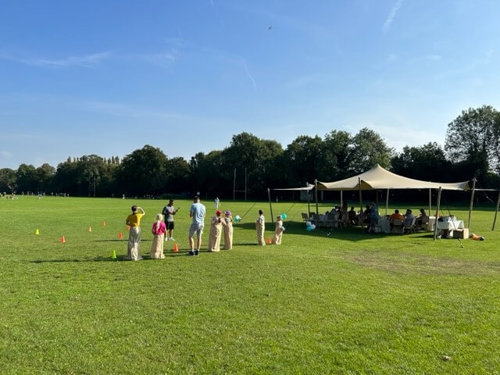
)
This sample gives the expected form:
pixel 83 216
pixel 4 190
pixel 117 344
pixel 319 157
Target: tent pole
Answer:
pixel 496 212
pixel 316 195
pixel 308 201
pixel 360 196
pixel 308 204
pixel 437 212
pixel 341 198
pixel 270 204
pixel 386 202
pixel 471 201
pixel 430 200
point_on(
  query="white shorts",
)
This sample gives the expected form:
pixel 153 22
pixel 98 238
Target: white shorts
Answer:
pixel 196 228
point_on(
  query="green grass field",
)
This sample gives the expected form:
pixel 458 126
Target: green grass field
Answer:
pixel 338 303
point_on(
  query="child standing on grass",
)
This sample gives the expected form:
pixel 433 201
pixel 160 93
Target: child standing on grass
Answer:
pixel 228 231
pixel 134 235
pixel 216 224
pixel 158 229
pixel 260 226
pixel 278 232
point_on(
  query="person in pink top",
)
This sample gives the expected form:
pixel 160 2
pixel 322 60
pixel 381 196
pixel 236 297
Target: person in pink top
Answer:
pixel 158 229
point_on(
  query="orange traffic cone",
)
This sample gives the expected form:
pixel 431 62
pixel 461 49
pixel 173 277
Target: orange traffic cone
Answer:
pixel 63 240
pixel 268 240
pixel 176 248
pixel 120 235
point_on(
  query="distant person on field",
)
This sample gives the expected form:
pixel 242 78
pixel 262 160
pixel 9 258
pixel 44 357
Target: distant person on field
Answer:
pixel 158 229
pixel 260 226
pixel 197 213
pixel 278 231
pixel 134 235
pixel 228 231
pixel 168 212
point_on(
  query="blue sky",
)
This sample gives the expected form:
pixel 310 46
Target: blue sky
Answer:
pixel 107 77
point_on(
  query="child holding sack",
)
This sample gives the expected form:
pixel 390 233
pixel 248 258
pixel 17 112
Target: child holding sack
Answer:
pixel 158 229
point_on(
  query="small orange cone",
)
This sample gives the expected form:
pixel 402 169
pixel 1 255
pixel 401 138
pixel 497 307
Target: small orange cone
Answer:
pixel 268 240
pixel 90 229
pixel 176 248
pixel 63 240
pixel 120 235
pixel 103 223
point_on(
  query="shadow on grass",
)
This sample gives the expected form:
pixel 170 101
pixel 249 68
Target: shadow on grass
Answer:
pixel 121 240
pixel 122 258
pixel 346 234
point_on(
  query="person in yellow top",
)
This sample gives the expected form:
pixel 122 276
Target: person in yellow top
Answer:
pixel 134 235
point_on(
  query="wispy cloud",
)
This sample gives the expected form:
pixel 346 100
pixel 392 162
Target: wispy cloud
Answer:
pixel 249 75
pixel 162 59
pixel 391 16
pixel 87 61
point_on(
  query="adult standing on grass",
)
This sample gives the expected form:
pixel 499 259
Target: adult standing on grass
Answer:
pixel 373 218
pixel 260 225
pixel 168 212
pixel 158 229
pixel 228 231
pixel 134 235
pixel 197 213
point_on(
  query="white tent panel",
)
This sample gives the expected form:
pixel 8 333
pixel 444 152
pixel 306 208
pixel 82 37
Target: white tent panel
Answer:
pixel 380 178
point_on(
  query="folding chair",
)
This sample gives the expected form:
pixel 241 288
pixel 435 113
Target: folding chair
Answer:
pixel 397 226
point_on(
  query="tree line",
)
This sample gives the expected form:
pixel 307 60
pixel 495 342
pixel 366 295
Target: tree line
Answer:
pixel 471 150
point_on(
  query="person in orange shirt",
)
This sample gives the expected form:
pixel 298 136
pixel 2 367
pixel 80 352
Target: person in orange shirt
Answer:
pixel 134 235
pixel 396 215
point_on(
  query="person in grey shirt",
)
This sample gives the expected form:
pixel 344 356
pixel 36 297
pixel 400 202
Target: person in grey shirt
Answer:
pixel 197 213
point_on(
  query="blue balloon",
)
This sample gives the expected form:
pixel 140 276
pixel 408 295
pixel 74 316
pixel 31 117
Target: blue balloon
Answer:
pixel 283 216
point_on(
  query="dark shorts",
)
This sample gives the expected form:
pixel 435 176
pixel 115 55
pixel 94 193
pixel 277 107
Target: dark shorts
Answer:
pixel 170 225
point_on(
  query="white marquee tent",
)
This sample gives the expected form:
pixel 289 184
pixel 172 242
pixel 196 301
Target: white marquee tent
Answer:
pixel 379 178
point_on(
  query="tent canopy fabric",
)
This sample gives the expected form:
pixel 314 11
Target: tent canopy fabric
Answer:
pixel 380 178
pixel 308 187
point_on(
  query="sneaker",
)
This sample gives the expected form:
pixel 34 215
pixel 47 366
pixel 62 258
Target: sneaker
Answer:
pixel 166 239
pixel 172 239
pixel 191 252
pixel 196 252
